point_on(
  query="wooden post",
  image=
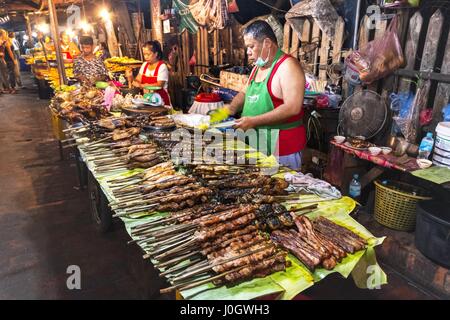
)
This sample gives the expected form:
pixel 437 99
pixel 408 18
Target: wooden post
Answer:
pixel 324 50
pixel 443 90
pixel 230 32
pixel 363 33
pixel 185 45
pixel 379 32
pixel 295 43
pixel 412 42
pixel 216 47
pixel 113 44
pixel 205 50
pixel 198 54
pixel 430 49
pixel 155 11
pixel 29 33
pixel 55 35
pixel 286 37
pixel 338 43
pixel 316 39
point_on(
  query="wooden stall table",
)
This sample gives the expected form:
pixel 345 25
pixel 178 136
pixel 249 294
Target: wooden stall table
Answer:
pixel 383 163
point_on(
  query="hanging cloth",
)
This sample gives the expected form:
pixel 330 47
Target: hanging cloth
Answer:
pixel 187 21
pixel 219 16
pixel 210 13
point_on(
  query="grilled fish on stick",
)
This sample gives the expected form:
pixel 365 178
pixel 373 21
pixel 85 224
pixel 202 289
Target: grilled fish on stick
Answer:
pixel 120 134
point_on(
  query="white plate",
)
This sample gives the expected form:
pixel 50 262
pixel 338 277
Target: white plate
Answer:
pixel 224 125
pixel 140 102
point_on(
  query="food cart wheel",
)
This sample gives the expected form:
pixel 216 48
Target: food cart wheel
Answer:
pixel 100 211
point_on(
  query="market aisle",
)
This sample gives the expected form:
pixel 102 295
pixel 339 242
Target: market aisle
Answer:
pixel 44 222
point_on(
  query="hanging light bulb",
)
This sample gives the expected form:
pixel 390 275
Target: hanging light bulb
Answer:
pixel 104 14
pixel 43 27
pixel 86 27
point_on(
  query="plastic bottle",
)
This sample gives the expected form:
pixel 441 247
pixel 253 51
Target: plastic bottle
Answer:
pixel 426 146
pixel 355 187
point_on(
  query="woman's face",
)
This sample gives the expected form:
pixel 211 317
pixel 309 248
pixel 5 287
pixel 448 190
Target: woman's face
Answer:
pixel 149 55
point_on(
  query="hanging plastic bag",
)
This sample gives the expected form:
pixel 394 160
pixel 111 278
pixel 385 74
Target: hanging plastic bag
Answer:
pixel 426 116
pixel 379 57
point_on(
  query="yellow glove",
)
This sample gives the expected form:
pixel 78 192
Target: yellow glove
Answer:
pixel 219 115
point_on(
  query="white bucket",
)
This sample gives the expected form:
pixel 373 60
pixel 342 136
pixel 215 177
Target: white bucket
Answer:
pixel 441 153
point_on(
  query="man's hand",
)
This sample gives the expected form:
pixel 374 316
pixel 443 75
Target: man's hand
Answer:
pixel 245 123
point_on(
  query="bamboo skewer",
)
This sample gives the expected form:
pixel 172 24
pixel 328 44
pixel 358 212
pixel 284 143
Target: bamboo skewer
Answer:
pixel 176 250
pixel 209 267
pixel 197 283
pixel 137 210
pixel 171 246
pixel 169 272
pixel 172 240
pixel 176 260
pixel 90 144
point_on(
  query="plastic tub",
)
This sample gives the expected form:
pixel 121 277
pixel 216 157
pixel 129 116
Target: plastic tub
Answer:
pixel 441 154
pixel 433 231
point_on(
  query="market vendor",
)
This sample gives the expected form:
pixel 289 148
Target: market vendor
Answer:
pixel 154 71
pixel 68 48
pixel 88 68
pixel 273 97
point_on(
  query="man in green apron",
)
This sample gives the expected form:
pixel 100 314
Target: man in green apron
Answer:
pixel 271 102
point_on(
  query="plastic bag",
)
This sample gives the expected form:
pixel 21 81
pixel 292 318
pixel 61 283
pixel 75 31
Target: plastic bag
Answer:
pixel 379 57
pixel 446 113
pixel 401 104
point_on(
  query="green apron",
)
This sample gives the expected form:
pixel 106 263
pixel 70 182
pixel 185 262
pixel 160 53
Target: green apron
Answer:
pixel 258 101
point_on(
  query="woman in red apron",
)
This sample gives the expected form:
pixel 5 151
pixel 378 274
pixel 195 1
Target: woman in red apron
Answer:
pixel 154 71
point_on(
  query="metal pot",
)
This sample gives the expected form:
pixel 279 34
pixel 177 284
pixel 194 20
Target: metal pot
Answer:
pixel 401 147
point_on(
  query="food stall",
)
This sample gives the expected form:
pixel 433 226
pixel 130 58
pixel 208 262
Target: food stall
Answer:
pixel 219 230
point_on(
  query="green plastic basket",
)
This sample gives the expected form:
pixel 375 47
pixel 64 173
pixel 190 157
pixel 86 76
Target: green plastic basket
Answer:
pixel 395 204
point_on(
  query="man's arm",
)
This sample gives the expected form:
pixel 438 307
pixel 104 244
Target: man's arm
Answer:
pixel 237 104
pixel 292 85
